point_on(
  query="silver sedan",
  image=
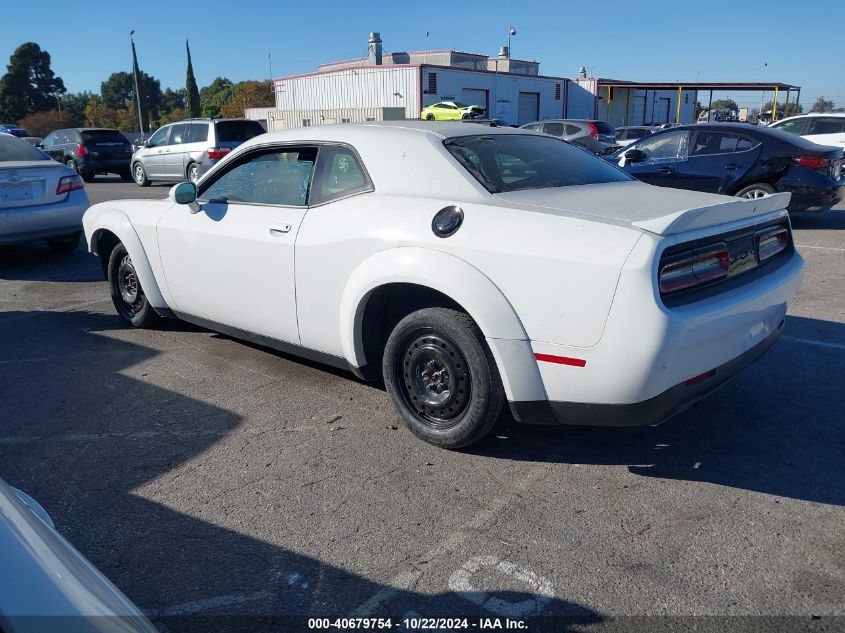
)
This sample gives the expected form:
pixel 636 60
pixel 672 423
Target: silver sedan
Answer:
pixel 40 199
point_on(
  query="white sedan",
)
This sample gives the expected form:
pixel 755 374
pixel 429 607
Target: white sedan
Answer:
pixel 40 199
pixel 465 267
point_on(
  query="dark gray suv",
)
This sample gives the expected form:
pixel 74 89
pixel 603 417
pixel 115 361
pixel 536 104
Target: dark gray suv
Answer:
pixel 186 150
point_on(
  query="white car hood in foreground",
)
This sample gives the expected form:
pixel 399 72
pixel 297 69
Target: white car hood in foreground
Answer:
pixel 659 210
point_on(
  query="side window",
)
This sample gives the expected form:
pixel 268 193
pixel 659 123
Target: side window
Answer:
pixel 713 143
pixel 197 133
pixel 339 174
pixel 571 129
pixel 827 125
pixel 178 134
pixel 160 137
pixel 280 176
pixel 62 138
pixel 744 143
pixel 668 146
pixel 50 139
pixel 532 126
pixel 555 129
pixel 796 126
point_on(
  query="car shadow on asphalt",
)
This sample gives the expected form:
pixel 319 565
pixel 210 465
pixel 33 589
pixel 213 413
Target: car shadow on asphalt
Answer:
pixel 818 220
pixel 35 261
pixel 776 428
pixel 86 431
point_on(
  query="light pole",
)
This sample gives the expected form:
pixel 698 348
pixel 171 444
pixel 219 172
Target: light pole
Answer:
pixel 137 92
pixel 511 32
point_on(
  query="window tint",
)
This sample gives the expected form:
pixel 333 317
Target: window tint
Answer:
pixel 793 127
pixel 604 128
pixel 95 137
pixel 531 126
pixel 275 177
pixel 636 132
pixel 664 146
pixel 572 129
pixel 159 138
pixel 713 143
pixel 508 162
pixel 197 133
pixel 237 131
pixel 745 143
pixel 555 129
pixel 13 148
pixel 825 125
pixel 178 133
pixel 339 174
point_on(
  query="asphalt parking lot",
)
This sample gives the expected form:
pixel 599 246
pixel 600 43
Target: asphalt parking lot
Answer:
pixel 205 476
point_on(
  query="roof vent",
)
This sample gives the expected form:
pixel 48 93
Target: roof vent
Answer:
pixel 374 49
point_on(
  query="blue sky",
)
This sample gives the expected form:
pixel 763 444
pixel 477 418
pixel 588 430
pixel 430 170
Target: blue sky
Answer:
pixel 640 40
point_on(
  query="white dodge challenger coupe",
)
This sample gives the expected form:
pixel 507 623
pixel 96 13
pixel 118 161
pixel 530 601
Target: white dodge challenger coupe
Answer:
pixel 464 266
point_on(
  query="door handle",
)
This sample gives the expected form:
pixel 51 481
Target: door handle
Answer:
pixel 665 171
pixel 731 166
pixel 280 230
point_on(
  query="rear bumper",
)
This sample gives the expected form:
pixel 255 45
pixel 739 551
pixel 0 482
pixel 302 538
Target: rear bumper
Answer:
pixel 41 222
pixel 646 412
pixel 816 198
pixel 110 165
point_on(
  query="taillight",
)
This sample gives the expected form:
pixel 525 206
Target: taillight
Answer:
pixel 69 183
pixel 218 152
pixel 594 131
pixel 771 241
pixel 81 150
pixel 694 268
pixel 813 162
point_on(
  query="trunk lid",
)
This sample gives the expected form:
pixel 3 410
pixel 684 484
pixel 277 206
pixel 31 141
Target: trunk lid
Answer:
pixel 30 183
pixel 658 210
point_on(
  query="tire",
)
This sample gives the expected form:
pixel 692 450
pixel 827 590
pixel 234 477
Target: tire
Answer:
pixel 72 164
pixel 139 175
pixel 125 175
pixel 757 190
pixel 87 175
pixel 64 244
pixel 126 292
pixel 464 117
pixel 429 117
pixel 442 377
pixel 193 172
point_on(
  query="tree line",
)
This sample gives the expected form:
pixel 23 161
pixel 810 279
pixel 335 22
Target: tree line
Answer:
pixel 35 98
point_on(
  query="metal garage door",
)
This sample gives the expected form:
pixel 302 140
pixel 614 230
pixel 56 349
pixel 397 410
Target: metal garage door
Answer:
pixel 529 107
pixel 474 96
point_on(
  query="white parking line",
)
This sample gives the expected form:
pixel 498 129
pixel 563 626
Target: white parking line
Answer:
pixel 408 578
pixel 810 341
pixel 198 606
pixel 821 248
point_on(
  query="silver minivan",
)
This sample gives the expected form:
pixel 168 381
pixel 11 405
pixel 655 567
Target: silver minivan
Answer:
pixel 187 149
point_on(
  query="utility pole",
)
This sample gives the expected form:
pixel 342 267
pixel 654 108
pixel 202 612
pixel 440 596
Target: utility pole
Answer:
pixel 137 91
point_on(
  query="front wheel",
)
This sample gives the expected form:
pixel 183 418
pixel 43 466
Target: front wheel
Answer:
pixel 757 190
pixel 429 117
pixel 126 292
pixel 442 377
pixel 140 175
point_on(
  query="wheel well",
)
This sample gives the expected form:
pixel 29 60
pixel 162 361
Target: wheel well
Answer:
pixel 103 244
pixel 385 307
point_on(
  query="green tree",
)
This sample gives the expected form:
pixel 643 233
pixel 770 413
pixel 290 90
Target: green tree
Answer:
pixel 784 109
pixel 248 94
pixel 823 105
pixel 172 100
pixel 192 98
pixel 725 104
pixel 118 92
pixel 30 84
pixel 73 106
pixel 215 95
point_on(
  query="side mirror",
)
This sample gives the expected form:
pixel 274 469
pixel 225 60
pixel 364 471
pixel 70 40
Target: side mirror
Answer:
pixel 186 193
pixel 634 156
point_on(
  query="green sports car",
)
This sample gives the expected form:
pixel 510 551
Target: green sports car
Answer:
pixel 451 111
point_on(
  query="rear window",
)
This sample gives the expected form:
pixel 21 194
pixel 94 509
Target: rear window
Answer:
pixel 13 148
pixel 604 128
pixel 237 131
pixel 510 162
pixel 103 136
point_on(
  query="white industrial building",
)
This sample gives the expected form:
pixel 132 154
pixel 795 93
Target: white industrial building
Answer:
pixel 389 86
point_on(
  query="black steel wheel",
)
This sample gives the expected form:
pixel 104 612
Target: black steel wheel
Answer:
pixel 442 377
pixel 127 294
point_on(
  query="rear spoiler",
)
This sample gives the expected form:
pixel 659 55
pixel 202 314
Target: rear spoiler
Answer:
pixel 713 214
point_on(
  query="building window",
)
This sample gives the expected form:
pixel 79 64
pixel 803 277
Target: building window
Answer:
pixel 432 83
pixel 345 120
pixel 306 122
pixel 557 92
pixel 686 98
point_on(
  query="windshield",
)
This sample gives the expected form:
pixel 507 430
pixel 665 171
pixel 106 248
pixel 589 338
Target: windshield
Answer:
pixel 509 162
pixel 12 148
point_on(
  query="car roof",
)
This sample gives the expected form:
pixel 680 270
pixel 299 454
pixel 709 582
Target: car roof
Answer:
pixel 760 132
pixel 811 114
